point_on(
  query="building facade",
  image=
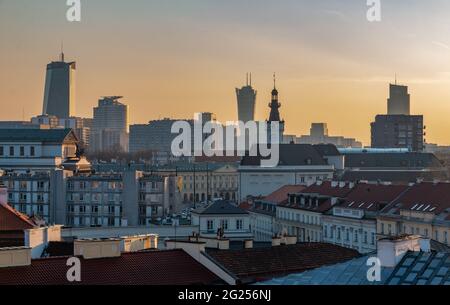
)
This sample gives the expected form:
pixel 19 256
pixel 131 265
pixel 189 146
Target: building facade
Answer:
pixel 398 131
pixel 110 125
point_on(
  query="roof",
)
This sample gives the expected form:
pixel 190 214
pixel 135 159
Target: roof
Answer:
pixel 327 150
pixel 258 264
pixel 328 188
pixel 422 268
pixel 423 197
pixel 372 197
pixel 290 155
pixel 395 176
pixel 281 194
pixel 13 220
pixel 37 135
pixel 351 272
pixel 219 207
pixel 392 160
pixel 168 267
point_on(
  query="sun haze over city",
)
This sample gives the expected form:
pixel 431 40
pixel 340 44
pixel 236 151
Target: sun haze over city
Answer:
pixel 172 58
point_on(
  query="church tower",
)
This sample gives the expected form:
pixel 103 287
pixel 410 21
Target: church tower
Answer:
pixel 274 116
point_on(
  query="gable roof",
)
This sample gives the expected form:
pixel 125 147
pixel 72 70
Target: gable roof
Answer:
pixel 257 264
pixel 167 267
pixel 372 197
pixel 37 135
pixel 290 155
pixel 423 197
pixel 13 220
pixel 219 207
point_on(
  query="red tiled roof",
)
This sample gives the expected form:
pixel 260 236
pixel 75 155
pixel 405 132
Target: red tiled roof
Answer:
pixel 424 197
pixel 13 220
pixel 170 267
pixel 245 205
pixel 261 263
pixel 281 194
pixel 372 197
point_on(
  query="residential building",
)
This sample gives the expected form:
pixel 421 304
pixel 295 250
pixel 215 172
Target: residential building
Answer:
pixel 298 164
pixel 221 215
pixel 110 125
pixel 398 131
pixel 39 149
pixel 263 212
pixel 422 210
pixel 59 93
pixel 352 221
pixel 302 214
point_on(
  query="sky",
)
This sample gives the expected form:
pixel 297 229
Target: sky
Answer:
pixel 171 58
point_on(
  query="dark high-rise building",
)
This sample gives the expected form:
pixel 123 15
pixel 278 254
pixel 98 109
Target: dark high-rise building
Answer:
pixel 246 101
pixel 399 100
pixel 59 93
pixel 398 131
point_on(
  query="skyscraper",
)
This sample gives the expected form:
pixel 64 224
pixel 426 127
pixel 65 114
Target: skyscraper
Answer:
pixel 399 100
pixel 246 101
pixel 59 93
pixel 110 125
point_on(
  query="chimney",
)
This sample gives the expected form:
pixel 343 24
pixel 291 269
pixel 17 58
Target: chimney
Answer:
pixel 97 248
pixel 15 257
pixel 351 185
pixel 276 241
pixel 392 250
pixel 3 195
pixel 248 244
pixel 342 184
pixel 334 183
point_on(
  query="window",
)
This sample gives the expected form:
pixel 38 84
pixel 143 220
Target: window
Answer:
pixel 347 235
pixel 373 239
pixel 382 228
pixel 365 237
pixel 325 231
pixel 11 151
pixel 224 224
pixel 1 151
pixel 338 233
pixel 82 209
pixel 239 224
pixel 32 152
pixel 22 151
pixel 356 237
pixel 210 225
pixel 95 208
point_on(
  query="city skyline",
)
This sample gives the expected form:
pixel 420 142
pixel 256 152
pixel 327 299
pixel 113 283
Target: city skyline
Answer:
pixel 189 58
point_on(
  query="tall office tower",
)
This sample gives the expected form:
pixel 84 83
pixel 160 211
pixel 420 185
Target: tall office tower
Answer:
pixel 110 125
pixel 246 101
pixel 399 100
pixel 59 93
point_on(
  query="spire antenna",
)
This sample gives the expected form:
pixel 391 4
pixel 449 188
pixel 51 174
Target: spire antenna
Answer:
pixel 62 50
pixel 274 81
pixel 246 75
pixel 250 79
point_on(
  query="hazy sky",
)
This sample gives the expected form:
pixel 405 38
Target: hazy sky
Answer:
pixel 170 58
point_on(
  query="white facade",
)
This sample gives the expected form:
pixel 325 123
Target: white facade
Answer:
pixel 235 226
pixel 261 181
pixel 348 228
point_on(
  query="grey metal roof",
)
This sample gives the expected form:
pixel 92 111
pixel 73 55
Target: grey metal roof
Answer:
pixel 352 272
pixel 422 268
pixel 290 155
pixel 35 135
pixel 219 207
pixel 327 150
pixel 392 160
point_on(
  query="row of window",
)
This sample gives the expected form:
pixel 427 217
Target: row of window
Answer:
pixel 223 223
pixel 21 152
pixel 299 217
pixel 387 230
pixel 347 235
pixel 93 209
pixel 82 185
